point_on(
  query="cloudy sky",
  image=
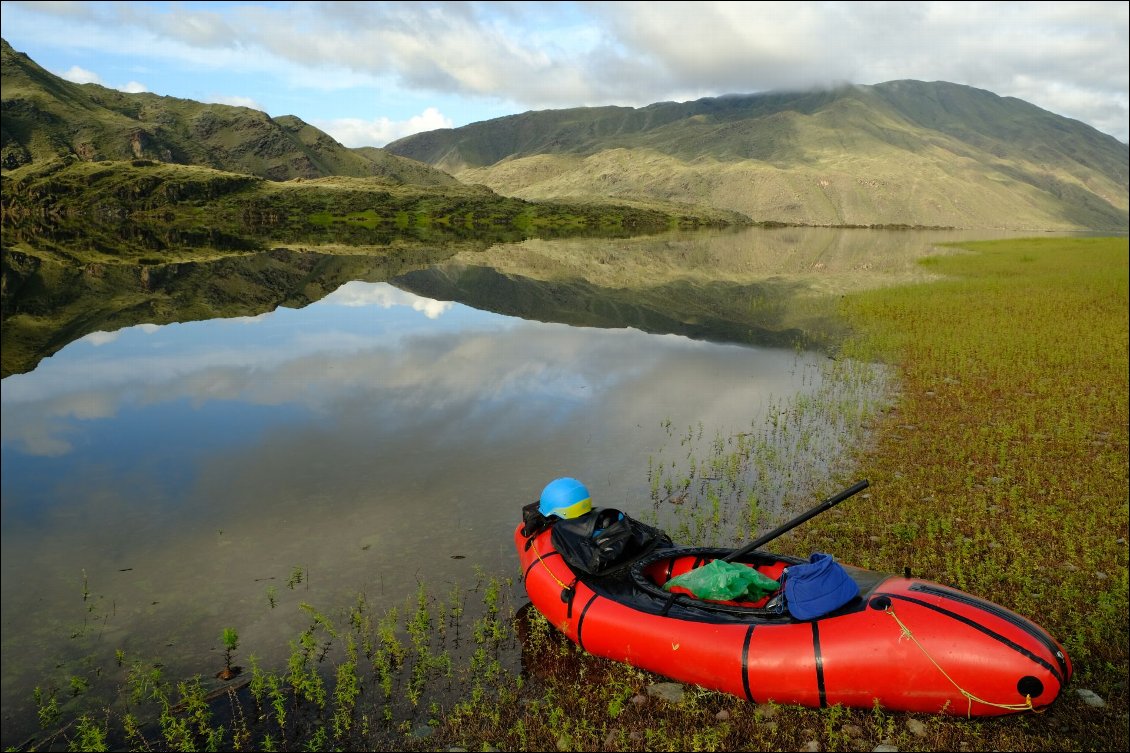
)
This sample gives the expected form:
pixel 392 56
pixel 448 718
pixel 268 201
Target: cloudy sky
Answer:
pixel 371 72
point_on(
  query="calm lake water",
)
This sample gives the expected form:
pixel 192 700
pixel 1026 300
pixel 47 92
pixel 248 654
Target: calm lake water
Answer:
pixel 164 482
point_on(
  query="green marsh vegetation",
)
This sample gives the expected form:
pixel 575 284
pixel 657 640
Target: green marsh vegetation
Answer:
pixel 996 446
pixel 175 203
pixel 1003 467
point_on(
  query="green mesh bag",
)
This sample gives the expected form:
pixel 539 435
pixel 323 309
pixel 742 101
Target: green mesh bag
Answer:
pixel 725 581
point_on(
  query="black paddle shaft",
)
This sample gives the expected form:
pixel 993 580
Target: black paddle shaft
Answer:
pixel 827 504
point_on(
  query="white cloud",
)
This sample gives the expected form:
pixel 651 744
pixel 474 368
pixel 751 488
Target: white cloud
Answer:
pixel 357 293
pixel 62 9
pixel 78 75
pixel 354 132
pixel 1069 57
pixel 1076 51
pixel 257 319
pixel 197 28
pixel 44 441
pixel 101 338
pixel 237 101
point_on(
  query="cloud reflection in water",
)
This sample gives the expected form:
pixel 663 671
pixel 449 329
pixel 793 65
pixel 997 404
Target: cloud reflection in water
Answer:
pixel 365 442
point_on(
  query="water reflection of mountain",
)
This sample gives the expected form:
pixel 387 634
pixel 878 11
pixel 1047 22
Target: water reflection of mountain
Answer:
pixel 716 311
pixel 47 304
pixel 123 239
pixel 762 287
pixel 771 287
pixel 65 278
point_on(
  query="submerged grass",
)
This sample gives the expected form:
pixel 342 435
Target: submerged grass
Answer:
pixel 998 464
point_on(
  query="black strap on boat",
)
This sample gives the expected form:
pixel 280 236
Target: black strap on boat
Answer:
pixel 670 602
pixel 745 664
pixel 581 621
pixel 818 662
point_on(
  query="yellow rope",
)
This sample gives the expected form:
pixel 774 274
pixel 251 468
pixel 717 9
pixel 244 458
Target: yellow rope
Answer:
pixel 534 546
pixel 1026 706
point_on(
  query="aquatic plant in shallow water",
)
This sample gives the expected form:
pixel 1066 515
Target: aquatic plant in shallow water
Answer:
pixel 725 491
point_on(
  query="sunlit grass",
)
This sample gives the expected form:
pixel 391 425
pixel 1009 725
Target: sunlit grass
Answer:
pixel 1003 469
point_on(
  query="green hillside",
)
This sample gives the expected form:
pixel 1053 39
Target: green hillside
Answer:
pixel 45 117
pixel 900 153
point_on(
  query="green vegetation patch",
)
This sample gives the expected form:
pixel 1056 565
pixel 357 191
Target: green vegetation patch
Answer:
pixel 1003 468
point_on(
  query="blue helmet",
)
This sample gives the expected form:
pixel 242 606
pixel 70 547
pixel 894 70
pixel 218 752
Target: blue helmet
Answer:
pixel 565 498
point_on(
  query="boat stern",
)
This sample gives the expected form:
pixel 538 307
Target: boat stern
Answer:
pixel 969 655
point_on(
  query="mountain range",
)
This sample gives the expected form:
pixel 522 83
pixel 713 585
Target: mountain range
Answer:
pixel 898 153
pixel 903 153
pixel 84 153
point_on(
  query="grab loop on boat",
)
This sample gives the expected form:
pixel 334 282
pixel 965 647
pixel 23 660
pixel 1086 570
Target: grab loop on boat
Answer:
pixel 905 633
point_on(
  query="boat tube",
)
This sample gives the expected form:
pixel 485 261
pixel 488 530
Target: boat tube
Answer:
pixel 904 643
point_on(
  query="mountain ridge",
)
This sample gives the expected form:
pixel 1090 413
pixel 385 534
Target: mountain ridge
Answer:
pixel 903 152
pixel 46 117
pixel 898 154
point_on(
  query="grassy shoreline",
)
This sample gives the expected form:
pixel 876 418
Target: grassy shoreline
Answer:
pixel 1000 465
pixel 1003 467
